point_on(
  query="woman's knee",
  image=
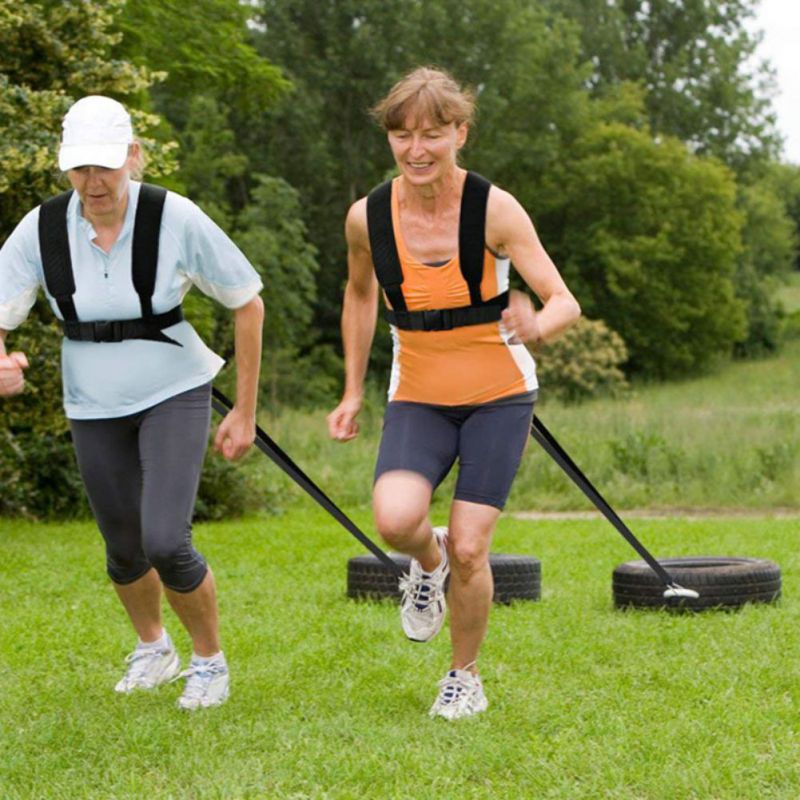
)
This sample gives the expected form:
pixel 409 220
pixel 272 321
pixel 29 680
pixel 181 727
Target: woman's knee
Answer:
pixel 396 525
pixel 400 505
pixel 180 567
pixel 124 567
pixel 468 557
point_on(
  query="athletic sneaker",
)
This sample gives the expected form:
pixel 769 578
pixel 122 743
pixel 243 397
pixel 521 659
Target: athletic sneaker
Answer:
pixel 423 605
pixel 460 695
pixel 206 684
pixel 150 665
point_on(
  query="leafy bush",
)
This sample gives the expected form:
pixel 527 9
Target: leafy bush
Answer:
pixel 227 491
pixel 647 236
pixel 37 466
pixel 583 363
pixel 791 328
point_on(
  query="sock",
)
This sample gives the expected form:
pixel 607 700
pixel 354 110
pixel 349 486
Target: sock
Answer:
pixel 163 641
pixel 196 659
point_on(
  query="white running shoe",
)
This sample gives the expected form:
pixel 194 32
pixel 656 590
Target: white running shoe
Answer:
pixel 460 695
pixel 149 666
pixel 423 604
pixel 206 684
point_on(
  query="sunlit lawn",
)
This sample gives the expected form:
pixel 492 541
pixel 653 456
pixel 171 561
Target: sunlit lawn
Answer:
pixel 329 700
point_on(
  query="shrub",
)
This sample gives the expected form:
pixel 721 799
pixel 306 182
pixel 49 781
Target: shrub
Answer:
pixel 583 363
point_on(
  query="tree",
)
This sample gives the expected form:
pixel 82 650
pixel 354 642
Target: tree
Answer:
pixel 769 239
pixel 785 181
pixel 273 236
pixel 649 240
pixel 695 60
pixel 204 50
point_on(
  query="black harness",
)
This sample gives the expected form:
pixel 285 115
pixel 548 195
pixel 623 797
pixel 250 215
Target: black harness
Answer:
pixel 60 279
pixel 471 246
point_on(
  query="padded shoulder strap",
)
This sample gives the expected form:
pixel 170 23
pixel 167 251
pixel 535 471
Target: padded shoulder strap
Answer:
pixel 146 232
pixel 56 259
pixel 472 232
pixel 383 245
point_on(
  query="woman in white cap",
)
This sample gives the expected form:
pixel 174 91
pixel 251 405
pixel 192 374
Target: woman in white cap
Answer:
pixel 115 258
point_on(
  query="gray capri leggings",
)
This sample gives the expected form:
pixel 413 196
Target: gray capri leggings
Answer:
pixel 141 475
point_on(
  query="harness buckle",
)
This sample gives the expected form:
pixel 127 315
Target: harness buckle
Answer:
pixel 432 319
pixel 107 331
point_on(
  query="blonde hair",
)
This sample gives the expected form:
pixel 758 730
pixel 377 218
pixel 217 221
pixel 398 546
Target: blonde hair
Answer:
pixel 426 93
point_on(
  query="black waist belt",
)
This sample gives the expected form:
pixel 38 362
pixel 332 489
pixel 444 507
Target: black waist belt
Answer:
pixel 117 330
pixel 445 319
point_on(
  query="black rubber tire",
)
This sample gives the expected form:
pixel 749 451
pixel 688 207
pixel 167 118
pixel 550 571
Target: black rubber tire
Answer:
pixel 515 577
pixel 721 581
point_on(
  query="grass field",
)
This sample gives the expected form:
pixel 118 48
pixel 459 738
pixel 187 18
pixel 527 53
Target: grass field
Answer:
pixel 329 701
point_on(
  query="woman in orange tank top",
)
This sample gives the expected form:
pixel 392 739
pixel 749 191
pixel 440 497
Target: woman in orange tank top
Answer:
pixel 439 241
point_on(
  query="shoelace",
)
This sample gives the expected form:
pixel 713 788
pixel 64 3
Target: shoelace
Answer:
pixel 139 660
pixel 454 687
pixel 422 594
pixel 197 678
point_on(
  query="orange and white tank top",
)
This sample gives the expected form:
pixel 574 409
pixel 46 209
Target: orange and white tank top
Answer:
pixel 465 366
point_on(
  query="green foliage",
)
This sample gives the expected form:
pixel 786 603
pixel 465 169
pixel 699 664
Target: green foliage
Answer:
pixel 212 169
pixel 37 466
pixel 769 239
pixel 791 329
pixel 228 491
pixel 648 237
pixel 765 318
pixel 204 50
pixel 785 181
pixel 769 236
pixel 695 59
pixel 585 362
pixel 273 236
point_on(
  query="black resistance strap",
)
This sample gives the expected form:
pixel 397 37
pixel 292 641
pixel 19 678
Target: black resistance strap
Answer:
pixel 222 405
pixel 548 442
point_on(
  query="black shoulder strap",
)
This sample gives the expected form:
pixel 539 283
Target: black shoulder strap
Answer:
pixel 56 259
pixel 472 232
pixel 383 245
pixel 144 253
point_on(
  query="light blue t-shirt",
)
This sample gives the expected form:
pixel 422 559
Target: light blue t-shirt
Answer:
pixel 114 379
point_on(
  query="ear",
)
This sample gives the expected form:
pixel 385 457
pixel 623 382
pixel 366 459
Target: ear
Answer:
pixel 462 132
pixel 135 162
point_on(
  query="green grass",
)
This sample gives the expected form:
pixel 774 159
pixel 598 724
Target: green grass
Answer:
pixel 730 439
pixel 329 701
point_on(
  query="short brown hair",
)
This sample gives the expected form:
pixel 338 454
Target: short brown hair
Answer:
pixel 425 93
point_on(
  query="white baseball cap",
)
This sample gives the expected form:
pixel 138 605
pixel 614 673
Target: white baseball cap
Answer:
pixel 97 131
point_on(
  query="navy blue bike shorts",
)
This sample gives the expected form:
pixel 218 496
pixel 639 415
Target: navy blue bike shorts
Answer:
pixel 487 440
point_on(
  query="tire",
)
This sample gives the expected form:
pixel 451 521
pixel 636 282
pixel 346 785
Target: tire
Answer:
pixel 515 577
pixel 722 582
